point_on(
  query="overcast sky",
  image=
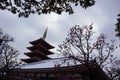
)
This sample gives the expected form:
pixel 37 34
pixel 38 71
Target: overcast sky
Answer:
pixel 103 16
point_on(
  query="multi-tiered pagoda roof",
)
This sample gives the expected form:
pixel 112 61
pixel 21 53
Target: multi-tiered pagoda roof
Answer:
pixel 38 51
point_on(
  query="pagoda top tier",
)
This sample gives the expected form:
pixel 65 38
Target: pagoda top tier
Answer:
pixel 42 42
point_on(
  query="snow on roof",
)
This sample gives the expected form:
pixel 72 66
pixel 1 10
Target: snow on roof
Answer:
pixel 50 63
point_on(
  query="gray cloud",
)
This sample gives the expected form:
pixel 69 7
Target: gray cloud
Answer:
pixel 103 15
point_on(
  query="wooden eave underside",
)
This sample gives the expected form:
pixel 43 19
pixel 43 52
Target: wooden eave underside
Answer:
pixel 36 53
pixel 37 46
pixel 33 59
pixel 40 48
pixel 42 42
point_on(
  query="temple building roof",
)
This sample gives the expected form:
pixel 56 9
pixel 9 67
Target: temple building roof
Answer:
pixel 65 68
pixel 50 63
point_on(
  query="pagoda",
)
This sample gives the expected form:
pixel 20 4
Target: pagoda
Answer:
pixel 38 51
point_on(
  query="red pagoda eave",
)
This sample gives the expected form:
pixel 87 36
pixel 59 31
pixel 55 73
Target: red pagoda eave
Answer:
pixel 43 50
pixel 36 53
pixel 33 59
pixel 30 60
pixel 42 42
pixel 37 46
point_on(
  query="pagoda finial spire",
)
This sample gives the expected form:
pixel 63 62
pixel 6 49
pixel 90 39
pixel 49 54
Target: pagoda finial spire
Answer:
pixel 45 33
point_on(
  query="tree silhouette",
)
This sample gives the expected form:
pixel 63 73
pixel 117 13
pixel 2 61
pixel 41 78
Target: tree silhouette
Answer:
pixel 114 70
pixel 7 53
pixel 82 46
pixel 26 7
